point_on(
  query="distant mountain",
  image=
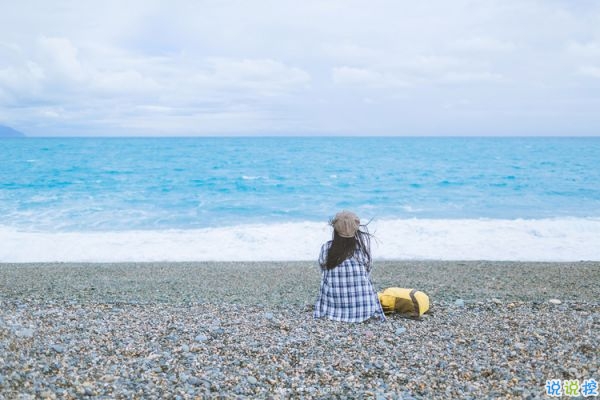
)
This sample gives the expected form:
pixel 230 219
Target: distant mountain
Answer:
pixel 7 131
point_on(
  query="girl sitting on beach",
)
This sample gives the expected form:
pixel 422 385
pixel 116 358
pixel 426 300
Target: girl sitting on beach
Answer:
pixel 346 293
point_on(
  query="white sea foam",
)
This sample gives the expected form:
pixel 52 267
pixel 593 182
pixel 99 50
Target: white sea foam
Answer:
pixel 567 239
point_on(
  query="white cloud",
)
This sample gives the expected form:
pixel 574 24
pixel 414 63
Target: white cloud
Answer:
pixel 360 77
pixel 584 49
pixel 473 77
pixel 128 81
pixel 60 58
pixel 154 108
pixel 271 65
pixel 265 75
pixel 590 70
pixel 50 112
pixel 103 84
pixel 486 44
pixel 20 83
pixel 423 71
pixel 351 52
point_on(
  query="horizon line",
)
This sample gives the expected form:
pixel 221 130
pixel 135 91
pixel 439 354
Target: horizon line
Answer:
pixel 217 136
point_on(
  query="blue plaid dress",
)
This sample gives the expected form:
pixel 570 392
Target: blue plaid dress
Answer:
pixel 346 292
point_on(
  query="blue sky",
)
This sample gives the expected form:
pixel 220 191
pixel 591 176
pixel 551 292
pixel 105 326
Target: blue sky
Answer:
pixel 496 67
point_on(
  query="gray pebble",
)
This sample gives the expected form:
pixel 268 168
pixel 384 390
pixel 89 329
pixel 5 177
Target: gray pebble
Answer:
pixel 192 380
pixel 57 348
pixel 520 346
pixel 133 353
pixel 24 332
pixel 201 338
pixel 518 390
pixel 459 303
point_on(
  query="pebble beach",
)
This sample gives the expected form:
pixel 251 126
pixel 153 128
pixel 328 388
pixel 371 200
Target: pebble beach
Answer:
pixel 245 330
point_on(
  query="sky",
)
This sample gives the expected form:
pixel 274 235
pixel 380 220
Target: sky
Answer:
pixel 376 67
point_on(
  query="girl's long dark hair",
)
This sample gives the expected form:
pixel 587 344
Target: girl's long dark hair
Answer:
pixel 343 248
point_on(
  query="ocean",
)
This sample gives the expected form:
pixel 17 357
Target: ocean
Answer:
pixel 270 198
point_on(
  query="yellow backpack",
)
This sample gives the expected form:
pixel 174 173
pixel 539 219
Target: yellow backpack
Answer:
pixel 410 303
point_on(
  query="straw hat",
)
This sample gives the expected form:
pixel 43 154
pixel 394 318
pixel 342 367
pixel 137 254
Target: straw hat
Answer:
pixel 346 224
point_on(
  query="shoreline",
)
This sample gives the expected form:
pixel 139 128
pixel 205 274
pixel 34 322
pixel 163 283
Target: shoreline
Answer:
pixel 560 239
pixel 245 330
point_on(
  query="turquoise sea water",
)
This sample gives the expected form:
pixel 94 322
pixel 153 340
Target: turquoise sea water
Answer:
pixel 170 183
pixel 149 199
